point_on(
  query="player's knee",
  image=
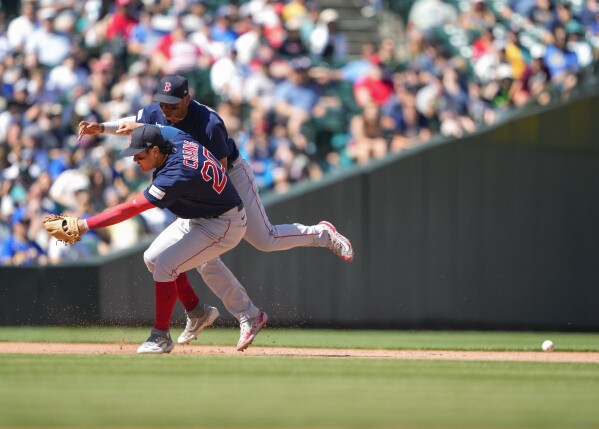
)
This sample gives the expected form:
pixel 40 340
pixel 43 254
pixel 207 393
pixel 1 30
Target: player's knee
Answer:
pixel 150 261
pixel 164 270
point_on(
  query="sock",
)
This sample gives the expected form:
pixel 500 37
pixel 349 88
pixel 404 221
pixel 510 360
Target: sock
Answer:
pixel 165 295
pixel 185 292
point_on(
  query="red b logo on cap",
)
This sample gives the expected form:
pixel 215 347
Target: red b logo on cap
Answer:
pixel 167 87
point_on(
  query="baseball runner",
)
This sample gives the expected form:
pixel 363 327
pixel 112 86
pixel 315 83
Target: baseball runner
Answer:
pixel 174 106
pixel 211 219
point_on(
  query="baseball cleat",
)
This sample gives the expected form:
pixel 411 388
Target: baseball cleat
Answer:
pixel 338 243
pixel 249 329
pixel 198 319
pixel 159 342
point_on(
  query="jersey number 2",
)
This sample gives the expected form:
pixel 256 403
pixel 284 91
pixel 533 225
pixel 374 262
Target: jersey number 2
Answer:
pixel 213 170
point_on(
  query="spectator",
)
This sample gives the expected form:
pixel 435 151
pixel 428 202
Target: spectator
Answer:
pixel 226 77
pixel 65 187
pixel 412 129
pixel 258 88
pixel 183 55
pixel 543 13
pixel 123 235
pixel 360 67
pixel 121 23
pixel 293 45
pixel 519 7
pixel 560 60
pixel 220 30
pixel 264 14
pixel 534 83
pixel 387 55
pixel 294 10
pixel 588 13
pixel 375 87
pixel 248 44
pixel 296 96
pixel 427 15
pixel 143 36
pixel 477 17
pixel 576 43
pixel 49 46
pixel 18 249
pixel 65 78
pixel 515 54
pixel 22 27
pixel 327 43
pixel 367 136
pixel 309 21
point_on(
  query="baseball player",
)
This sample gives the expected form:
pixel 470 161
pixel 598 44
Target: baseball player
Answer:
pixel 174 106
pixel 211 219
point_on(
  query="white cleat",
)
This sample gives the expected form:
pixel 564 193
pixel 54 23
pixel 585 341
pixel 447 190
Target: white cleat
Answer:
pixel 198 319
pixel 159 342
pixel 338 243
pixel 249 329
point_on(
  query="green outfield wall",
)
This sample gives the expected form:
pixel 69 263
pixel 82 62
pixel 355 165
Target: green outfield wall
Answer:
pixel 499 230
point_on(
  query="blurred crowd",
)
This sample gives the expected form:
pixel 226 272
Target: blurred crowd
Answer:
pixel 279 74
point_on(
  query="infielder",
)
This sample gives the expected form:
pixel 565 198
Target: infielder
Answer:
pixel 174 106
pixel 211 219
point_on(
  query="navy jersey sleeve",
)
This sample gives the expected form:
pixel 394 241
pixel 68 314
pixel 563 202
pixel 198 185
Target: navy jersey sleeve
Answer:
pixel 143 116
pixel 164 191
pixel 150 114
pixel 218 140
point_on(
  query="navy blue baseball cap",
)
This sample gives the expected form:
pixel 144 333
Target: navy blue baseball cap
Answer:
pixel 171 89
pixel 142 138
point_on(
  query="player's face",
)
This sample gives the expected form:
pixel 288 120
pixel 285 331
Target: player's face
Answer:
pixel 146 160
pixel 175 112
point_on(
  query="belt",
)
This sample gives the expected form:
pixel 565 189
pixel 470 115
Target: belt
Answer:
pixel 231 164
pixel 239 208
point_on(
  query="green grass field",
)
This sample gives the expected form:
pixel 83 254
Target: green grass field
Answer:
pixel 136 391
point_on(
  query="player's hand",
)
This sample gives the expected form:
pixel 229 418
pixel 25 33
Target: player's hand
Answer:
pixel 126 127
pixel 88 128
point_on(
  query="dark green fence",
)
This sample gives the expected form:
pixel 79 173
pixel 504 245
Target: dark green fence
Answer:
pixel 499 230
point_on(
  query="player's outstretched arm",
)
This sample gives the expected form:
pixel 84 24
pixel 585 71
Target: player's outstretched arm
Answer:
pixel 116 214
pixel 87 128
pixel 110 127
pixel 127 127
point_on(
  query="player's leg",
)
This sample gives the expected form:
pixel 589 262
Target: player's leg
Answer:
pixel 260 233
pixel 266 237
pixel 165 292
pixel 226 286
pixel 206 240
pixel 199 315
pixel 183 245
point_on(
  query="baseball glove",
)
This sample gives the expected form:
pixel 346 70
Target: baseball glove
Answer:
pixel 63 228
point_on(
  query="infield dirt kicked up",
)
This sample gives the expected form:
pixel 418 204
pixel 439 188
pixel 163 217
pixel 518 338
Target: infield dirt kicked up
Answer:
pixel 203 350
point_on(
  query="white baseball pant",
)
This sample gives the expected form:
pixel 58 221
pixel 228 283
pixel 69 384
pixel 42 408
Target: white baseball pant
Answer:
pixel 190 243
pixel 261 234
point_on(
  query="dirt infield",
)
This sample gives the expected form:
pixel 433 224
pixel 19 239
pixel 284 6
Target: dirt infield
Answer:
pixel 200 350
